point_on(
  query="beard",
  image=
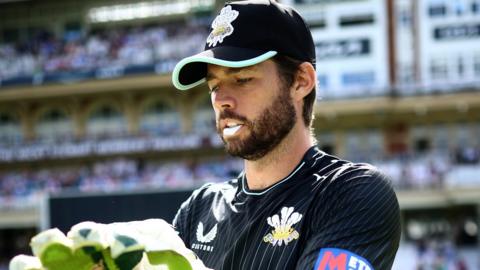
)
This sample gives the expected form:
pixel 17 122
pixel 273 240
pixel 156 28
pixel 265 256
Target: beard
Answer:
pixel 266 131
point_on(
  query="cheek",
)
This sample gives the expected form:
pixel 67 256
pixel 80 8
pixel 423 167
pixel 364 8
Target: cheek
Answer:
pixel 212 103
pixel 212 100
pixel 217 115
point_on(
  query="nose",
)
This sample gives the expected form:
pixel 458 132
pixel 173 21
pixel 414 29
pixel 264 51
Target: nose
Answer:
pixel 222 99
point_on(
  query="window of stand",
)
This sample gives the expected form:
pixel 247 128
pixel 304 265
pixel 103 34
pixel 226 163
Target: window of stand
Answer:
pixel 437 10
pixel 439 68
pixel 160 119
pixel 10 129
pixel 54 125
pixel 361 19
pixel 476 65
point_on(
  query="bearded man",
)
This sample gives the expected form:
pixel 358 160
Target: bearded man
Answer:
pixel 293 206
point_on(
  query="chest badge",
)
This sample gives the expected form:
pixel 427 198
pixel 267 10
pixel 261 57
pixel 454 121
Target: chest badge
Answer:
pixel 283 232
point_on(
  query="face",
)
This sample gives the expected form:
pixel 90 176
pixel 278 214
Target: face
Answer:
pixel 254 111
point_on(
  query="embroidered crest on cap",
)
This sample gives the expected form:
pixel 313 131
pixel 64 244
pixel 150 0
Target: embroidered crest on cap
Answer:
pixel 222 26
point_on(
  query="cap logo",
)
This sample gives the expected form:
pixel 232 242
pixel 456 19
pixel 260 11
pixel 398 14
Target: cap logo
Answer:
pixel 222 26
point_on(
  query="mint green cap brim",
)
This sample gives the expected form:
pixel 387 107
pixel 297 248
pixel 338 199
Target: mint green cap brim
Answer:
pixel 205 58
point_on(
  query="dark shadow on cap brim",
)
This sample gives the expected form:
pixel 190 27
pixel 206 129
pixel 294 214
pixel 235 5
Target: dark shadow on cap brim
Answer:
pixel 192 70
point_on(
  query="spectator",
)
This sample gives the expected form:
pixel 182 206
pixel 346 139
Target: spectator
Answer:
pixel 114 48
pixel 117 174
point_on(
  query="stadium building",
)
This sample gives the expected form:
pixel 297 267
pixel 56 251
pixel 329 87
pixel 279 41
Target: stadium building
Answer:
pixel 92 128
pixel 352 47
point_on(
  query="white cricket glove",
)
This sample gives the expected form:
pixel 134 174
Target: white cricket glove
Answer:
pixel 150 244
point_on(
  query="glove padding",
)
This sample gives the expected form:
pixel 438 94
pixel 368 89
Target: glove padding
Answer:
pixel 151 244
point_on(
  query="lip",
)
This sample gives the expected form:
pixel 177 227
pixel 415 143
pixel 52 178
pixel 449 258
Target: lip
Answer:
pixel 231 132
pixel 230 127
pixel 224 123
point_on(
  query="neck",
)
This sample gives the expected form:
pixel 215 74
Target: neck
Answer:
pixel 281 161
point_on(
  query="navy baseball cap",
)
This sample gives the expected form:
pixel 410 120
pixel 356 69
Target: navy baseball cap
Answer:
pixel 246 33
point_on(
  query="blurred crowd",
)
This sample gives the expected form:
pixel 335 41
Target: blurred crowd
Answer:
pixel 75 51
pixel 434 169
pixel 428 171
pixel 422 172
pixel 432 255
pixel 22 188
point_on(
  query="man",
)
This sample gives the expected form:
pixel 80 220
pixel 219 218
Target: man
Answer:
pixel 293 206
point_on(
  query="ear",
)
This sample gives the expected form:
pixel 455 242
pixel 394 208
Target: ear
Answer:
pixel 305 80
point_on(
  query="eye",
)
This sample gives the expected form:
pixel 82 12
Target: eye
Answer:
pixel 244 80
pixel 212 89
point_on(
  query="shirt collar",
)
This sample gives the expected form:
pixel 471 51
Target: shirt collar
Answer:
pixel 312 153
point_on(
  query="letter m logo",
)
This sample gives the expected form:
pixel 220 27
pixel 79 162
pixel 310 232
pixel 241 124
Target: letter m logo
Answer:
pixel 330 260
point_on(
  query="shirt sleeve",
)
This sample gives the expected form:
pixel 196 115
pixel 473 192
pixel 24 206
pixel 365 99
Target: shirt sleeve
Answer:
pixel 183 218
pixel 181 221
pixel 356 216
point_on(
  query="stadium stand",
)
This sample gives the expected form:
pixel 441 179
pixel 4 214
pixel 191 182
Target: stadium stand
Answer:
pixel 428 171
pixel 47 58
pixel 24 188
pixel 90 109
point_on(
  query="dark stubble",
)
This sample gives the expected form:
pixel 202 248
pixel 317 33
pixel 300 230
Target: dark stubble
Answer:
pixel 266 131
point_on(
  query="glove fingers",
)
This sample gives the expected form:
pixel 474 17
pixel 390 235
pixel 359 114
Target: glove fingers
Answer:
pixel 55 255
pixel 141 245
pixel 128 260
pixel 170 258
pixel 59 257
pixel 126 248
pixel 24 262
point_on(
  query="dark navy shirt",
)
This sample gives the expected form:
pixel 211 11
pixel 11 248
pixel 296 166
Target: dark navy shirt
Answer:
pixel 327 214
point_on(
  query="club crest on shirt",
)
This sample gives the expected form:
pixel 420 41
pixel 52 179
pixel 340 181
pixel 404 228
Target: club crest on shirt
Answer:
pixel 283 231
pixel 222 26
pixel 204 238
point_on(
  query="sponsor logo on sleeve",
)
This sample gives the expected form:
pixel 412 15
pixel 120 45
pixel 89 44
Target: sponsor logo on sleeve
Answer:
pixel 340 259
